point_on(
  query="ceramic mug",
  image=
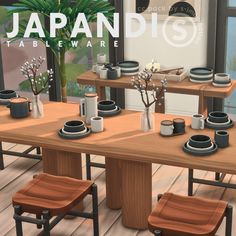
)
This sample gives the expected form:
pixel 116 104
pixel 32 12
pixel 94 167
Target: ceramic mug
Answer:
pixel 179 125
pixel 99 68
pixel 19 107
pixel 103 73
pixel 101 58
pixel 118 69
pixel 198 122
pixel 167 127
pixel 97 124
pixel 222 138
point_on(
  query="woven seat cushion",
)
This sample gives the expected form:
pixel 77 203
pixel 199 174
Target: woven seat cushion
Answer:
pixel 53 193
pixel 185 216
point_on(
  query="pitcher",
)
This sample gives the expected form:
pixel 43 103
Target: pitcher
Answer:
pixel 89 107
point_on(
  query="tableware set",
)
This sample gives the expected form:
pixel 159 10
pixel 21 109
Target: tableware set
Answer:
pixel 171 128
pixel 201 75
pixel 222 80
pixel 129 68
pixel 108 108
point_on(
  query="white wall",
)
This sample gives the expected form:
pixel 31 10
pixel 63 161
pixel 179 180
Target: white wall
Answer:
pixel 145 48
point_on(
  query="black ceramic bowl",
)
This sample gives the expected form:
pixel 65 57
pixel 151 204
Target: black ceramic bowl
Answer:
pixel 74 126
pixel 128 64
pixel 7 94
pixel 218 117
pixel 202 71
pixel 200 141
pixel 106 105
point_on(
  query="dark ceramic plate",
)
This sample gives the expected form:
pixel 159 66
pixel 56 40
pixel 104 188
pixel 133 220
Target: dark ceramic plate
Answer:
pixel 128 64
pixel 201 71
pixel 109 114
pixel 196 153
pixel 173 135
pixel 201 79
pixel 79 136
pixel 219 127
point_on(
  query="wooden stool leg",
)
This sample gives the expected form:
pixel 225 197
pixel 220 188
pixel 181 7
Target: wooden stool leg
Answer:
pixel 136 194
pixel 229 218
pixel 113 183
pixel 1 158
pixel 19 231
pixel 46 226
pixel 190 182
pixel 95 210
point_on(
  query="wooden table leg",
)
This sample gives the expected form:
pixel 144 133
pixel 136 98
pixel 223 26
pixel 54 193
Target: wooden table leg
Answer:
pixel 136 194
pixel 113 183
pixel 101 92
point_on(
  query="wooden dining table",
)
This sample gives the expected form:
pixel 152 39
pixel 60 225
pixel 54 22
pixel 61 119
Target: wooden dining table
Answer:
pixel 203 91
pixel 129 153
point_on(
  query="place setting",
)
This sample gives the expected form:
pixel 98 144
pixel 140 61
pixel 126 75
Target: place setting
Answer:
pixel 222 80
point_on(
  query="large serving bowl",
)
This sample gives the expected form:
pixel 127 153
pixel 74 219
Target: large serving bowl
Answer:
pixel 200 141
pixel 218 117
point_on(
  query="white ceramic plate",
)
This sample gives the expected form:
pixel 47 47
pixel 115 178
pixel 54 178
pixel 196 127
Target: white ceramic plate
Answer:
pixel 200 149
pixel 222 85
pixel 108 111
pixel 201 81
pixel 219 124
pixel 74 133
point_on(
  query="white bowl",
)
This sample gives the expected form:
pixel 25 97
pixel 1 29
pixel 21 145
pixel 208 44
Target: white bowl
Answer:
pixel 221 77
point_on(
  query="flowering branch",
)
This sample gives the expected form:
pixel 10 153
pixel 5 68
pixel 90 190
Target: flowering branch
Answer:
pixel 37 83
pixel 143 83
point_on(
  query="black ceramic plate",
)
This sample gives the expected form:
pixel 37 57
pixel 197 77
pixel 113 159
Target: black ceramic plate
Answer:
pixel 109 114
pixel 79 136
pixel 128 64
pixel 196 153
pixel 201 71
pixel 219 127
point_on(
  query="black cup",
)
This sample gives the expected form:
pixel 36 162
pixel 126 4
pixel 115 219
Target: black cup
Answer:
pixel 218 117
pixel 106 105
pixel 7 94
pixel 179 125
pixel 112 74
pixel 222 138
pixel 19 107
pixel 200 141
pixel 74 126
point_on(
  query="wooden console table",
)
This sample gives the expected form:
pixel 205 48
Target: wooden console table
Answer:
pixel 129 154
pixel 204 91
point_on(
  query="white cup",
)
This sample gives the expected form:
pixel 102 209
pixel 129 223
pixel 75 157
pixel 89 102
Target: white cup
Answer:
pixel 98 69
pixel 198 122
pixel 103 73
pixel 118 69
pixel 94 68
pixel 101 58
pixel 167 127
pixel 97 124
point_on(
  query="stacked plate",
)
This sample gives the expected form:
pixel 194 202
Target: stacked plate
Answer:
pixel 74 129
pixel 6 95
pixel 201 75
pixel 218 120
pixel 222 80
pixel 200 145
pixel 108 108
pixel 129 68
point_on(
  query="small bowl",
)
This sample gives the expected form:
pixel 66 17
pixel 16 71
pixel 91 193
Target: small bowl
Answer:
pixel 74 126
pixel 7 94
pixel 200 141
pixel 106 105
pixel 222 77
pixel 222 81
pixel 218 117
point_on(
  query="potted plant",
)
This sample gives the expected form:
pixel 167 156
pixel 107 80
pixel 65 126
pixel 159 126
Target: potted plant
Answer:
pixel 71 9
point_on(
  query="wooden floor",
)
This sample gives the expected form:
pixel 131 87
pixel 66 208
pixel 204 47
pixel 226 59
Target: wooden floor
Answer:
pixel 165 178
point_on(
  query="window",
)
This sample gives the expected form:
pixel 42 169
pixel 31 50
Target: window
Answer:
pixel 14 56
pixel 232 3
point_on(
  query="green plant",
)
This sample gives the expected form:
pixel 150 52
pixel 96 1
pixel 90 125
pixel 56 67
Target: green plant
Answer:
pixel 71 9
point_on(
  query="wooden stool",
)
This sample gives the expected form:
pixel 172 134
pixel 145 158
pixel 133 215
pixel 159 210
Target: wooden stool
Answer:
pixel 189 216
pixel 47 196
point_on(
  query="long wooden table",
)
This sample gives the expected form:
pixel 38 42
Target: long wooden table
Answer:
pixel 204 91
pixel 129 154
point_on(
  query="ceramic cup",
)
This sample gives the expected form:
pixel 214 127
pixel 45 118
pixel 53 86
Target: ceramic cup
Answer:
pixel 19 107
pixel 97 124
pixel 101 58
pixel 222 77
pixel 179 125
pixel 99 68
pixel 222 138
pixel 167 127
pixel 118 69
pixel 112 74
pixel 103 73
pixel 94 68
pixel 198 122
pixel 74 126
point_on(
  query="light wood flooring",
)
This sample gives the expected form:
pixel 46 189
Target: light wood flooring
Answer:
pixel 19 171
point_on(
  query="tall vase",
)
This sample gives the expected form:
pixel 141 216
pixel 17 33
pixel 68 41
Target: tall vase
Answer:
pixel 147 120
pixel 37 107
